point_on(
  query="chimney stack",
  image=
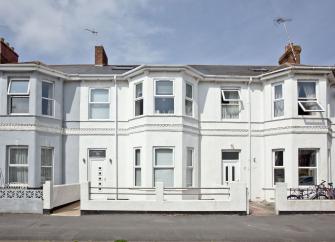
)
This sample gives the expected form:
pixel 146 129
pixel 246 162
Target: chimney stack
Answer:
pixel 100 56
pixel 7 53
pixel 288 56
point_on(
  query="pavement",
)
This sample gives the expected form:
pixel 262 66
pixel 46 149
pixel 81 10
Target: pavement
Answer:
pixel 159 227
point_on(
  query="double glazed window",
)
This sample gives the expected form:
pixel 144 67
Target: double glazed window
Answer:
pixel 189 167
pixel 278 100
pixel 307 166
pixel 137 167
pixel 48 98
pixel 307 100
pixel 139 99
pixel 18 96
pixel 99 103
pixel 17 164
pixel 46 164
pixel 164 166
pixel 278 166
pixel 164 98
pixel 189 100
pixel 230 104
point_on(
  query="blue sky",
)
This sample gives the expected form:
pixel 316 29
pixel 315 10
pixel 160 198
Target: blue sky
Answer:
pixel 168 31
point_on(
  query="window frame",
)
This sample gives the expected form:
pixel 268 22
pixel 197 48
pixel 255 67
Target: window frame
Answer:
pixel 17 95
pixel 223 98
pixel 317 150
pixel 274 167
pixel 52 161
pixel 189 99
pixel 190 167
pixel 9 148
pixel 164 167
pixel 274 99
pixel 48 99
pixel 164 95
pixel 301 100
pixel 136 167
pixel 138 99
pixel 96 158
pixel 90 103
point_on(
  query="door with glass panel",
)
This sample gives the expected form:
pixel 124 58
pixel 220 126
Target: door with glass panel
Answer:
pixel 230 167
pixel 96 171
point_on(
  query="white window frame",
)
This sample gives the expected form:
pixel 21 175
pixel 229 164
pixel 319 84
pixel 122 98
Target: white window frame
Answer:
pixel 96 158
pixel 52 162
pixel 309 167
pixel 236 164
pixel 191 167
pixel 9 148
pixel 138 99
pixel 189 99
pixel 164 96
pixel 274 167
pixel 137 167
pixel 160 167
pixel 18 95
pixel 90 103
pixel 304 100
pixel 274 99
pixel 49 99
pixel 223 97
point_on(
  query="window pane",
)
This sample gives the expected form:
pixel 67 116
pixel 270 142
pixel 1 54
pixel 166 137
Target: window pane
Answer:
pixel 137 176
pixel 47 89
pixel 19 86
pixel 188 107
pixel 189 177
pixel 278 108
pixel 230 155
pixel 19 105
pixel 137 157
pixel 46 174
pixel 18 175
pixel 279 158
pixel 189 157
pixel 99 111
pixel 163 157
pixel 164 105
pixel 189 91
pixel 307 158
pixel 97 153
pixel 100 95
pixel 233 173
pixel 278 91
pixel 165 176
pixel 139 107
pixel 227 174
pixel 47 107
pixel 279 175
pixel 231 94
pixel 230 111
pixel 18 156
pixel 306 89
pixel 138 90
pixel 164 88
pixel 307 176
pixel 311 106
pixel 46 157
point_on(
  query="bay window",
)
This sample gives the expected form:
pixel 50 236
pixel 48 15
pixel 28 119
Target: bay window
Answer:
pixel 164 166
pixel 46 164
pixel 164 97
pixel 99 103
pixel 189 100
pixel 17 164
pixel 307 166
pixel 138 99
pixel 230 103
pixel 48 98
pixel 18 96
pixel 307 100
pixel 278 100
pixel 278 166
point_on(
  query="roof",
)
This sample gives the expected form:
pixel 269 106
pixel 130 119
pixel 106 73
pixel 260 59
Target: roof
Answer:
pixel 93 69
pixel 233 70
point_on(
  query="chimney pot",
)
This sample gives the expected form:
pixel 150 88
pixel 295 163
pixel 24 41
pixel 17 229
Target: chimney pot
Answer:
pixel 7 53
pixel 100 56
pixel 288 56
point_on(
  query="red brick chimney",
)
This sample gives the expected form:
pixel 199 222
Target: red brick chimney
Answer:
pixel 7 53
pixel 100 56
pixel 288 56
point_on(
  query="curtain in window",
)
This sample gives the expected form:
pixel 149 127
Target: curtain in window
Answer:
pixel 17 173
pixel 18 156
pixel 165 176
pixel 278 92
pixel 164 88
pixel 306 89
pixel 164 157
pixel 231 95
pixel 230 111
pixel 99 95
pixel 279 108
pixel 99 111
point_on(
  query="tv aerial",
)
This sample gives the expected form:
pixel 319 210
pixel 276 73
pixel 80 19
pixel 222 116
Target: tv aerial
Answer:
pixel 92 31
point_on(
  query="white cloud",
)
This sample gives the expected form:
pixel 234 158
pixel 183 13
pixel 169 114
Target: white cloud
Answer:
pixel 55 29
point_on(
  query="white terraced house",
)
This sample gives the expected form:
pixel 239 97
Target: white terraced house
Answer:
pixel 183 132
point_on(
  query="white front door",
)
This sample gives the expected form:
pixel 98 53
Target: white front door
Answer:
pixel 96 169
pixel 230 166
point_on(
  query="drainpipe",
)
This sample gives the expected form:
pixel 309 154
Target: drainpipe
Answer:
pixel 116 141
pixel 249 134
